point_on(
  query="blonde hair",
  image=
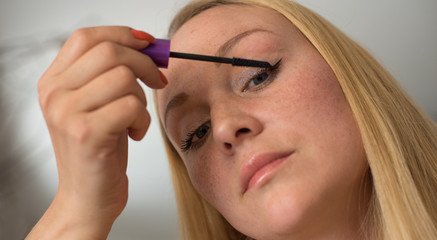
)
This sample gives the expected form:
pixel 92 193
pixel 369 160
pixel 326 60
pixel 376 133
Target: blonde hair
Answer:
pixel 399 140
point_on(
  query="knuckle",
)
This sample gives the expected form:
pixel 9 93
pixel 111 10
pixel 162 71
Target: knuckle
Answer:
pixel 124 77
pixel 125 72
pixel 132 102
pixel 57 122
pixel 81 36
pixel 108 50
pixel 46 95
pixel 57 118
pixel 76 128
pixel 80 131
pixel 41 83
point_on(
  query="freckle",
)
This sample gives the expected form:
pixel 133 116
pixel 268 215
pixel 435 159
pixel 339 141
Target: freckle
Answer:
pixel 206 179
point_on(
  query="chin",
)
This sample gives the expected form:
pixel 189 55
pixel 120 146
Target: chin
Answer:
pixel 285 213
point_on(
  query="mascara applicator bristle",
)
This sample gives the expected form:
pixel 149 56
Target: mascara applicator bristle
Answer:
pixel 233 61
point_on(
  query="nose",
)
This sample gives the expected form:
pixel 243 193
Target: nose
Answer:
pixel 232 125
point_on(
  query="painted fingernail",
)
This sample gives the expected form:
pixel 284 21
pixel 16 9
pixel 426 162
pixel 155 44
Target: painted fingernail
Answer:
pixel 142 35
pixel 163 78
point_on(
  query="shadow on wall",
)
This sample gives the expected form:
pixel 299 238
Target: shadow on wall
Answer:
pixel 25 150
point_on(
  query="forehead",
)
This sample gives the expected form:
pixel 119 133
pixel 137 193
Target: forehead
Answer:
pixel 207 31
pixel 216 25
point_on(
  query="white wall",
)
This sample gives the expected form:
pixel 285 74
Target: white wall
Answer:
pixel 400 33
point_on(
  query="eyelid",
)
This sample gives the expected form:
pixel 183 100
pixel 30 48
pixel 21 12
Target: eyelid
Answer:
pixel 272 74
pixel 243 76
pixel 187 144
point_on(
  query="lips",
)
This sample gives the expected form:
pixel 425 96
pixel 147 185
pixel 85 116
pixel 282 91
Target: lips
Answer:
pixel 259 168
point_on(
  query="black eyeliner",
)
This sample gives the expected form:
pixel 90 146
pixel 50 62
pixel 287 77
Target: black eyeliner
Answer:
pixel 272 71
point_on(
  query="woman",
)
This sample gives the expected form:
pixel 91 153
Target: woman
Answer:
pixel 323 145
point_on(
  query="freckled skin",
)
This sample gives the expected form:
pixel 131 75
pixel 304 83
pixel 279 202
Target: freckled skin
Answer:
pixel 315 192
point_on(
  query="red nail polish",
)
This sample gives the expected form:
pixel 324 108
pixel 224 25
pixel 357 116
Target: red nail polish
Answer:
pixel 163 78
pixel 142 35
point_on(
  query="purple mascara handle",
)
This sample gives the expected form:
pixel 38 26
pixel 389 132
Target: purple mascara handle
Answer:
pixel 159 52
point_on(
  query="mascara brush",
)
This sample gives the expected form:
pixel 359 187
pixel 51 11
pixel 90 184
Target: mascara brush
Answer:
pixel 159 52
pixel 234 61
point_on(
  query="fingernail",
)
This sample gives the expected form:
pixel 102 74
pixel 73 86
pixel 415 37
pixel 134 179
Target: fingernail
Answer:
pixel 142 35
pixel 163 78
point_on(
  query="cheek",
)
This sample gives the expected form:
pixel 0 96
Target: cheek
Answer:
pixel 204 177
pixel 318 114
pixel 317 93
pixel 212 181
pixel 326 121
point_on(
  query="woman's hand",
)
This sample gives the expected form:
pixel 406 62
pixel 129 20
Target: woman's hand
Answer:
pixel 92 102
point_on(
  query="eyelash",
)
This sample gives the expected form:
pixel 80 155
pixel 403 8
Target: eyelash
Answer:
pixel 187 144
pixel 272 71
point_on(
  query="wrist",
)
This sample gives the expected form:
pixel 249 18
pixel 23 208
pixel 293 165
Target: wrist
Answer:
pixel 68 221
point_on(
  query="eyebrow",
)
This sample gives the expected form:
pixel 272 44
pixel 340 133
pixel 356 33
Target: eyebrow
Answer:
pixel 228 45
pixel 176 101
pixel 180 98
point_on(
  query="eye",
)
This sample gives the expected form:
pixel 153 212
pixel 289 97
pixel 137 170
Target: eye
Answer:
pixel 201 131
pixel 262 78
pixel 258 79
pixel 196 138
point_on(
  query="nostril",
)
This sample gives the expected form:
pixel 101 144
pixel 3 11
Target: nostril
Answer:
pixel 242 131
pixel 228 146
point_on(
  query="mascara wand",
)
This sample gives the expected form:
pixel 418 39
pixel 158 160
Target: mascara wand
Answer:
pixel 159 52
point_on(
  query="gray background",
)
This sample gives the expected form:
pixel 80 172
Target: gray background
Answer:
pixel 402 34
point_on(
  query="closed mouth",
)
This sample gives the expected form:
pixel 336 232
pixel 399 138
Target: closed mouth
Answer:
pixel 259 168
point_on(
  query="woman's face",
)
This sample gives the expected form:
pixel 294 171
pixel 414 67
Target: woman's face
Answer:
pixel 276 151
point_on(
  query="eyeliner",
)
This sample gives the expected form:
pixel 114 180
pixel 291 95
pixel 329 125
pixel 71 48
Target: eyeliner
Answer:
pixel 233 61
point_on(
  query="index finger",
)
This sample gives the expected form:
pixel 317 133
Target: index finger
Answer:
pixel 85 38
